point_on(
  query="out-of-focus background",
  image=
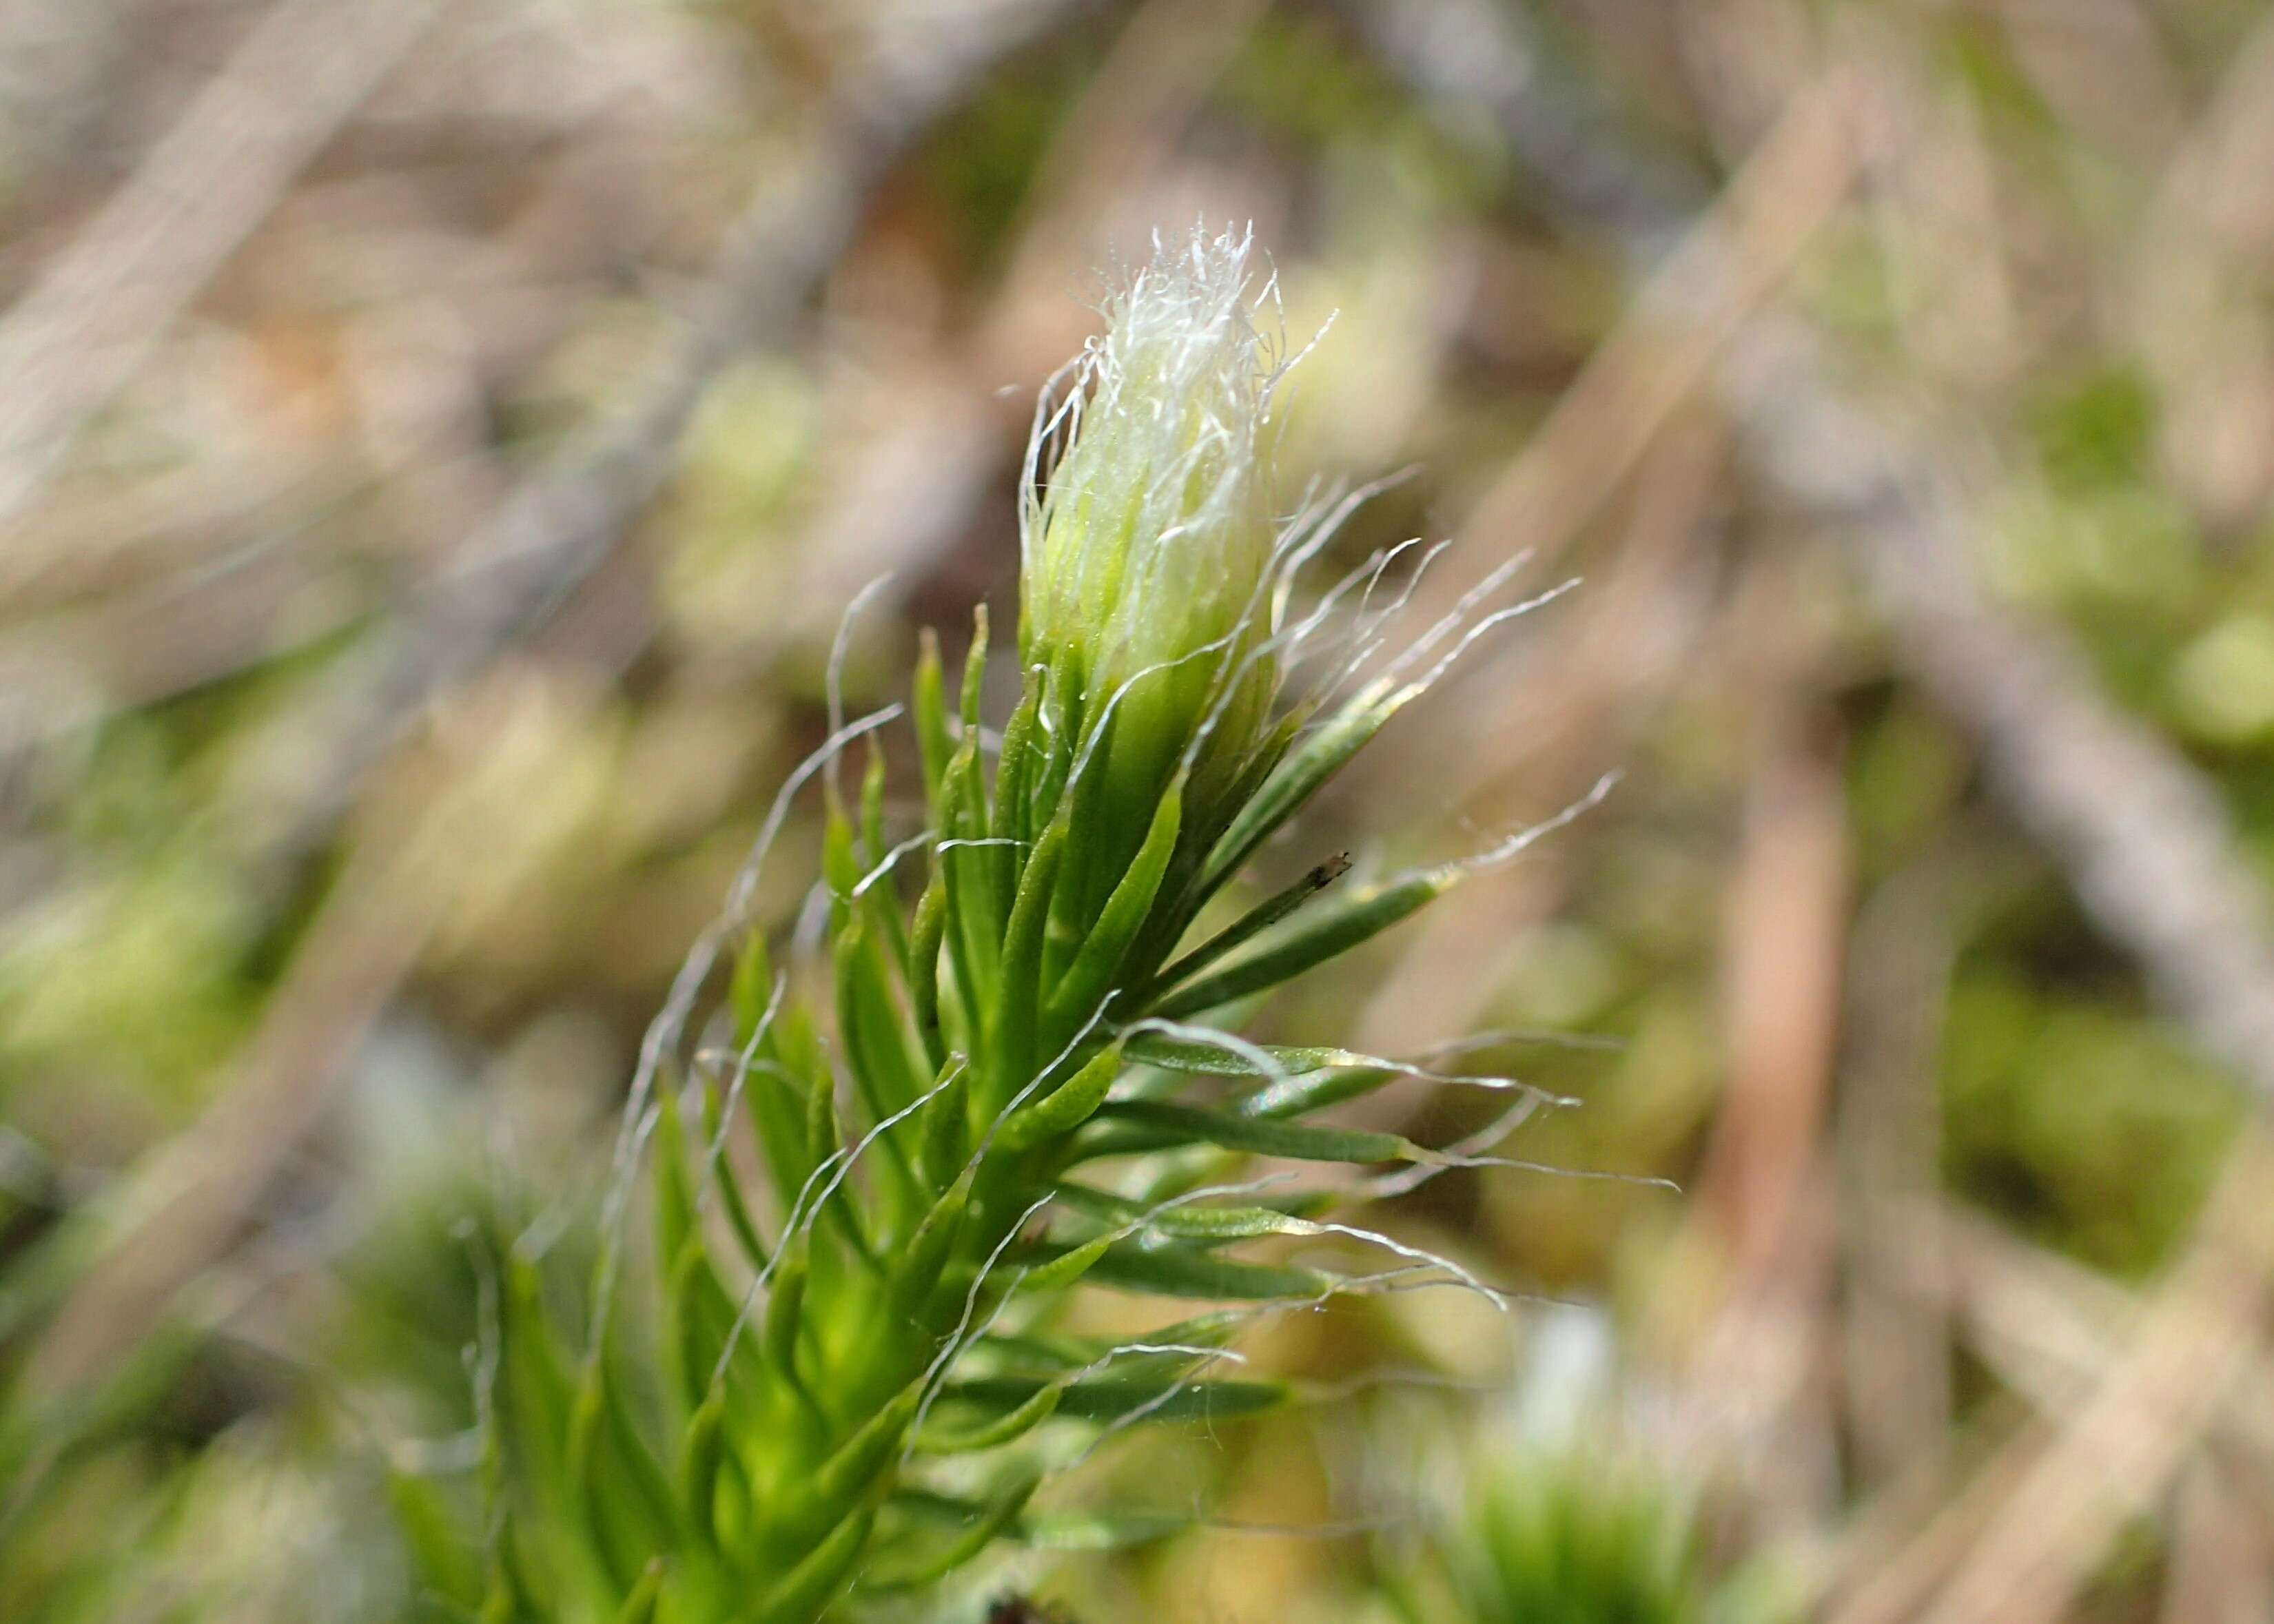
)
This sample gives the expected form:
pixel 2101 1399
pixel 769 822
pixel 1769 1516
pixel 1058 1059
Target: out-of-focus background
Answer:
pixel 438 438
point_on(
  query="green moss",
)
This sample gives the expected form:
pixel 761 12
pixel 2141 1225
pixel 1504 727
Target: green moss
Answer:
pixel 2094 1129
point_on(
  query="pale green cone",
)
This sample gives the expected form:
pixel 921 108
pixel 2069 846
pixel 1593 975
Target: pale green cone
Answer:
pixel 1146 554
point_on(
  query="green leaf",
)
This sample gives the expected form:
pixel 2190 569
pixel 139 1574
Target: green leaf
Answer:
pixel 719 1173
pixel 925 934
pixel 1303 1079
pixel 1165 1397
pixel 1096 848
pixel 639 1606
pixel 702 1459
pixel 999 1429
pixel 1058 1270
pixel 1190 1272
pixel 802 1594
pixel 780 1088
pixel 945 1141
pixel 1191 1220
pixel 752 989
pixel 919 1266
pixel 1066 1106
pixel 1300 1096
pixel 675 1190
pixel 847 1477
pixel 1079 990
pixel 627 1500
pixel 540 1393
pixel 1205 1056
pixel 985 1528
pixel 973 904
pixel 877 1050
pixel 1262 1135
pixel 879 899
pixel 700 1315
pixel 1010 822
pixel 1257 919
pixel 785 1312
pixel 445 1560
pixel 1298 778
pixel 870 1022
pixel 1011 1030
pixel 1310 940
pixel 934 745
pixel 974 668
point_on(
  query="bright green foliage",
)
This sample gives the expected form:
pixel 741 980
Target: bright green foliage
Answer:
pixel 970 1097
pixel 1571 1541
pixel 1568 1523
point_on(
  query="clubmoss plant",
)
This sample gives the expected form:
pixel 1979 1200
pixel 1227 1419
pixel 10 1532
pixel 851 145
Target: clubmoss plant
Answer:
pixel 987 1085
pixel 1584 1531
pixel 1566 1540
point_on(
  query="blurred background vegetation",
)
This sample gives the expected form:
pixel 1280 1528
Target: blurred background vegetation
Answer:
pixel 438 438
